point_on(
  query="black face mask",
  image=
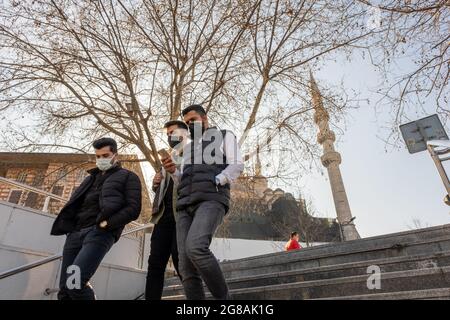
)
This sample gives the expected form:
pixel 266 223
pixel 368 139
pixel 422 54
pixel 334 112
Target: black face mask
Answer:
pixel 196 126
pixel 174 141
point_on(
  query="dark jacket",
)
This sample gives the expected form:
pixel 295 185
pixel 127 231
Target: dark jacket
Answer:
pixel 198 181
pixel 160 193
pixel 120 202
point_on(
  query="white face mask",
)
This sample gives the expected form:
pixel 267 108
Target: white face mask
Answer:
pixel 105 164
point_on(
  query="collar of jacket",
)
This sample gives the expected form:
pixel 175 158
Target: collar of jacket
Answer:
pixel 158 203
pixel 209 128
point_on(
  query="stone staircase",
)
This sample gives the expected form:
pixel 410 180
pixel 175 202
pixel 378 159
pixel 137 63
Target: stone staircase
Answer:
pixel 413 264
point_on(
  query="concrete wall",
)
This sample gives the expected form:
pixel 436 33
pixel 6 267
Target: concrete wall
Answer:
pixel 110 281
pixel 25 237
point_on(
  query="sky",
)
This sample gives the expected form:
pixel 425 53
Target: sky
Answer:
pixel 386 189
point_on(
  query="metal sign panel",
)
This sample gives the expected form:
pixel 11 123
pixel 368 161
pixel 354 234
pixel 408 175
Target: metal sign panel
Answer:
pixel 417 133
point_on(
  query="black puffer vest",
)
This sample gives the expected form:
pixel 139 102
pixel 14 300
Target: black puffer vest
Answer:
pixel 203 161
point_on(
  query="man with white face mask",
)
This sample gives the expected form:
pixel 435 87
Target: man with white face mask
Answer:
pixel 94 217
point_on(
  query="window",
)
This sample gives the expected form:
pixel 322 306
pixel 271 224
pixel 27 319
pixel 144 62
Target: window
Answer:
pixel 31 200
pixel 14 196
pixel 22 177
pixel 58 190
pixel 38 179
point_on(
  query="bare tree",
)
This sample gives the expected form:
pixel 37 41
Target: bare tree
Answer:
pixel 412 51
pixel 418 224
pixel 301 216
pixel 71 70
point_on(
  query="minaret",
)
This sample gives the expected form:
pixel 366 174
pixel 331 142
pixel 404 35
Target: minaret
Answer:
pixel 331 160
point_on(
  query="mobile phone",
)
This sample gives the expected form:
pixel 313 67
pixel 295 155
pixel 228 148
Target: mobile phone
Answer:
pixel 163 153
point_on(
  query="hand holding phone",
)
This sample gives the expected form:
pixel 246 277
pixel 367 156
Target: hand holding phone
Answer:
pixel 167 161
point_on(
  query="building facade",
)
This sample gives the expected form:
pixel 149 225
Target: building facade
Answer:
pixel 258 212
pixel 57 173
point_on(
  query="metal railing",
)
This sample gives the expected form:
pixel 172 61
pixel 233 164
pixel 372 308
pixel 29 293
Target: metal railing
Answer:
pixel 130 228
pixel 49 259
pixel 133 226
pixel 48 195
pixel 29 266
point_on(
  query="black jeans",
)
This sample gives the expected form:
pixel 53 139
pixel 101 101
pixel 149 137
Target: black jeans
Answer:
pixel 84 249
pixel 195 229
pixel 163 245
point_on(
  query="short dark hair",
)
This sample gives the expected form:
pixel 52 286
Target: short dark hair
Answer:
pixel 293 234
pixel 194 107
pixel 180 124
pixel 104 142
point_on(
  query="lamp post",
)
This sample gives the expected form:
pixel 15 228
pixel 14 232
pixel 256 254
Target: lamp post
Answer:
pixel 429 134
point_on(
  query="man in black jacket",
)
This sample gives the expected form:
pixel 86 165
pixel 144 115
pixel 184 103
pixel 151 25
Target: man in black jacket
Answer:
pixel 163 243
pixel 93 219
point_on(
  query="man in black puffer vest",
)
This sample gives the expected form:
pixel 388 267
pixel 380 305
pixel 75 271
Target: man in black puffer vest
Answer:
pixel 211 161
pixel 93 219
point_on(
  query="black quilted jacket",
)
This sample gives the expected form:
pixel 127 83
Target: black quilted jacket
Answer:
pixel 120 202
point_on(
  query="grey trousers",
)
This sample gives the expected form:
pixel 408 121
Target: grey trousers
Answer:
pixel 195 229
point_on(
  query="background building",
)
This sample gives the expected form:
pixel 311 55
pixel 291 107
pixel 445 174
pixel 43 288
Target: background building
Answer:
pixel 259 213
pixel 57 173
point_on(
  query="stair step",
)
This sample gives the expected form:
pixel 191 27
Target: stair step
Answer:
pixel 356 285
pixel 428 294
pixel 409 280
pixel 440 259
pixel 397 244
pixel 314 257
pixel 368 243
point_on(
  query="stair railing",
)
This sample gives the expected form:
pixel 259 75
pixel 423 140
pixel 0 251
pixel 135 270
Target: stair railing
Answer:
pixel 48 195
pixel 35 264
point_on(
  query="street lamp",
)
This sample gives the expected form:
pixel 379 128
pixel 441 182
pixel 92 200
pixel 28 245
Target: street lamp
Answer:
pixel 429 134
pixel 437 149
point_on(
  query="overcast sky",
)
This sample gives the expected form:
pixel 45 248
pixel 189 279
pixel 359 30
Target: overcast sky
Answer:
pixel 386 190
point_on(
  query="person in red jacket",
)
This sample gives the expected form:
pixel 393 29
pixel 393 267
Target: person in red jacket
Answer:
pixel 293 244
